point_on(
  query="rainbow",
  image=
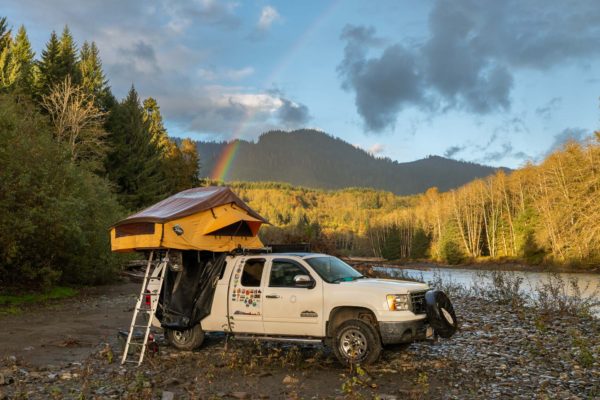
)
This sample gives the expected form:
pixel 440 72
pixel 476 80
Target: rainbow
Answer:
pixel 227 156
pixel 225 160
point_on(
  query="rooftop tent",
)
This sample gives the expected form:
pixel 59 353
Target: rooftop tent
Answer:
pixel 208 218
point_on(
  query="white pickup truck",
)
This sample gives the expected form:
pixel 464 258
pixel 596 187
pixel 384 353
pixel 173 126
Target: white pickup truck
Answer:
pixel 312 298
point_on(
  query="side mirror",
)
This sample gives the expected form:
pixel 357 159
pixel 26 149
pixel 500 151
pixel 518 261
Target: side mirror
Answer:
pixel 304 281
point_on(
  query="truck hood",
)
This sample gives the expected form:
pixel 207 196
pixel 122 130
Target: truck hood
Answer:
pixel 389 286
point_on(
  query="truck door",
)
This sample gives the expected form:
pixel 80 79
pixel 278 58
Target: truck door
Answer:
pixel 245 296
pixel 289 309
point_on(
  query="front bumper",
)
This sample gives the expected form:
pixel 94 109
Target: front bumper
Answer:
pixel 403 331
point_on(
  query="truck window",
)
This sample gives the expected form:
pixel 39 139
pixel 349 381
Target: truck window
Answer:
pixel 283 273
pixel 252 273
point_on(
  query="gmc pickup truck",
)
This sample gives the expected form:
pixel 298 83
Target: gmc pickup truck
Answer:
pixel 306 298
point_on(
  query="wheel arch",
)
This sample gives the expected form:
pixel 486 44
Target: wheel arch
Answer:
pixel 339 314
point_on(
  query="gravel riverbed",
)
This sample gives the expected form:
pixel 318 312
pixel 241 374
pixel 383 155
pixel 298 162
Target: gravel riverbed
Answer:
pixel 499 352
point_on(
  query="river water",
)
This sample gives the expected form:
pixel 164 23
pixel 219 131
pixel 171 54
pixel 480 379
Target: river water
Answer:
pixel 588 283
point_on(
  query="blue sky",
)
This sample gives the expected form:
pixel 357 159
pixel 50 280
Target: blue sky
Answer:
pixel 495 82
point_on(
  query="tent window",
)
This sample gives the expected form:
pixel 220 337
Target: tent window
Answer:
pixel 252 274
pixel 239 228
pixel 137 228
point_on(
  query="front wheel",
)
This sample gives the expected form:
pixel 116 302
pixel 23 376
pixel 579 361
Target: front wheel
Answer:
pixel 188 339
pixel 356 342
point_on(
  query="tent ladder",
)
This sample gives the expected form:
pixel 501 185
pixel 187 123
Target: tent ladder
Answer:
pixel 152 286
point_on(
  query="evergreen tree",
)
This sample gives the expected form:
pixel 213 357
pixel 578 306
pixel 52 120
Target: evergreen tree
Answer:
pixel 67 57
pixel 20 65
pixel 5 45
pixel 391 246
pixel 93 80
pixel 48 72
pixel 153 117
pixel 5 34
pixel 179 163
pixel 133 164
pixel 189 154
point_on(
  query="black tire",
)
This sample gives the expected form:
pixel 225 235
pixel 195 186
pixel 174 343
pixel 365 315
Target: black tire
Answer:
pixel 440 313
pixel 356 342
pixel 188 339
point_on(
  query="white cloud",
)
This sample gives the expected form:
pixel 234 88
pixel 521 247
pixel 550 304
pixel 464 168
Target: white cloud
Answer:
pixel 268 15
pixel 376 149
pixel 252 103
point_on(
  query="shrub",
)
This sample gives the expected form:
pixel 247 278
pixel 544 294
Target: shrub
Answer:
pixel 54 215
pixel 562 296
pixel 500 287
pixel 450 250
pixel 451 253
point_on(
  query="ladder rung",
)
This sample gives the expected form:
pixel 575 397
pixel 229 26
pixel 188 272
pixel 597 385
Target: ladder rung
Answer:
pixel 149 309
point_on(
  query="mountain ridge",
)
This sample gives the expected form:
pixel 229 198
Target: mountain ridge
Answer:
pixel 315 159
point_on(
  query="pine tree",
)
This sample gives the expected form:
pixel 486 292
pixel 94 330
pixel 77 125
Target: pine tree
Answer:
pixel 5 45
pixel 93 80
pixel 189 153
pixel 391 246
pixel 5 34
pixel 133 164
pixel 67 57
pixel 48 72
pixel 153 117
pixel 20 65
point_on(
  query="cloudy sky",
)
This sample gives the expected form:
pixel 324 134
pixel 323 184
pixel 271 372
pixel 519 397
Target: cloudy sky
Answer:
pixel 496 82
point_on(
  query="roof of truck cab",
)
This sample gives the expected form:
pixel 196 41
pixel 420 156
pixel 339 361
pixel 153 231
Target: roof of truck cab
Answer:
pixel 291 254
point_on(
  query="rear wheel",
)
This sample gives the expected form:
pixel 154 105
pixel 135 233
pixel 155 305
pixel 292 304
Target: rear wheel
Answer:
pixel 356 342
pixel 188 339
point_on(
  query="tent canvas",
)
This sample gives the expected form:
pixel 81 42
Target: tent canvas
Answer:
pixel 208 218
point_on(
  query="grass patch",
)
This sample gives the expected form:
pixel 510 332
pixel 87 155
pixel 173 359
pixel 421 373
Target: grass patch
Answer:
pixel 10 301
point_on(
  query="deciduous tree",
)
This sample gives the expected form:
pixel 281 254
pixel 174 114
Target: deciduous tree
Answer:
pixel 77 122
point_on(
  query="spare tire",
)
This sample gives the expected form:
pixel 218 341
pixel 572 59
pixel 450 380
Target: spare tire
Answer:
pixel 440 313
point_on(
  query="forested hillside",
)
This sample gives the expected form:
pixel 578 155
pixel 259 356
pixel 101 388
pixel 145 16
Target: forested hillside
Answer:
pixel 540 213
pixel 314 159
pixel 73 160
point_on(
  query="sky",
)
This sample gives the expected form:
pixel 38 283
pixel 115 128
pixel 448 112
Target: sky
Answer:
pixel 494 82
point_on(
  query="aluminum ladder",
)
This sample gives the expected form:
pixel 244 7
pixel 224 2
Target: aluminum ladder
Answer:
pixel 152 286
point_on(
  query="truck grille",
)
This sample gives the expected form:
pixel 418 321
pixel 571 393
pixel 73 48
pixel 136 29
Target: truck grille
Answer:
pixel 417 302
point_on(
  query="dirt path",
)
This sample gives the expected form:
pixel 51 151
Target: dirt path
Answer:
pixel 68 330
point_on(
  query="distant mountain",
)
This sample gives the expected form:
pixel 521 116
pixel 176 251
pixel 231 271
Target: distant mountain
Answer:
pixel 314 159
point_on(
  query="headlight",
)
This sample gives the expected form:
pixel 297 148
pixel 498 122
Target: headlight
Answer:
pixel 397 302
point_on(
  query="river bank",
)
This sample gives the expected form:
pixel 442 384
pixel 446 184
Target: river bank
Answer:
pixel 479 265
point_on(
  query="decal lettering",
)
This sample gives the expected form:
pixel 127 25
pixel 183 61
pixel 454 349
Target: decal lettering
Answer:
pixel 309 314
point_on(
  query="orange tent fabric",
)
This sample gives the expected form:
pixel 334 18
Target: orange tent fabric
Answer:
pixel 209 218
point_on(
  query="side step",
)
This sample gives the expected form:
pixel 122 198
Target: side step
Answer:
pixel 289 339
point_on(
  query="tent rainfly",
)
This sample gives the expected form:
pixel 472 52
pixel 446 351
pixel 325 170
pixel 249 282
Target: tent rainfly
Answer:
pixel 208 218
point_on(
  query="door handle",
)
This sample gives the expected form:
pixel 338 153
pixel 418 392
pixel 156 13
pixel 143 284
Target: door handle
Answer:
pixel 272 296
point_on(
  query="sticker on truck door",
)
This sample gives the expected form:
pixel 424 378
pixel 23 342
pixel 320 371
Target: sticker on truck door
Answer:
pixel 309 314
pixel 246 293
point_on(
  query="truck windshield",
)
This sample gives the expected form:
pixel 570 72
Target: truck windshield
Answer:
pixel 333 270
